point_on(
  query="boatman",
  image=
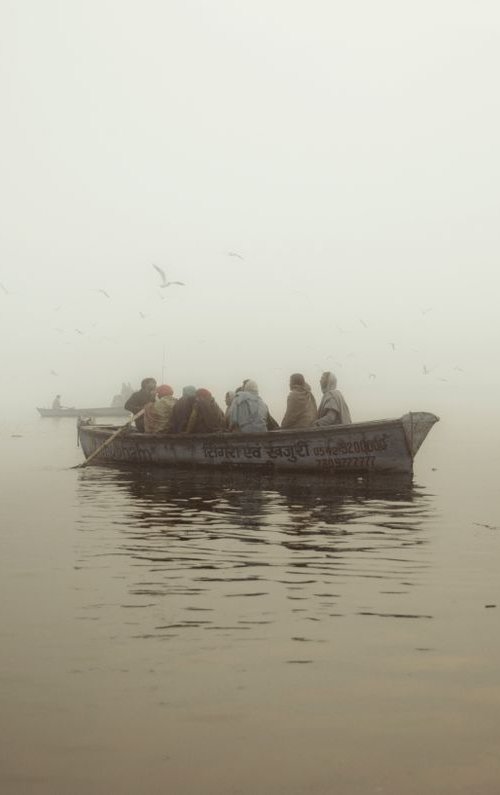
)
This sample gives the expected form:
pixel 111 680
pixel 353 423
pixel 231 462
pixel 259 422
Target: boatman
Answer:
pixel 56 403
pixel 137 401
pixel 333 410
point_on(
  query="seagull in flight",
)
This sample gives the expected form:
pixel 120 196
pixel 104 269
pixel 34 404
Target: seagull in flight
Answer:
pixel 363 322
pixel 4 289
pixel 393 345
pixel 235 254
pixel 97 290
pixel 164 282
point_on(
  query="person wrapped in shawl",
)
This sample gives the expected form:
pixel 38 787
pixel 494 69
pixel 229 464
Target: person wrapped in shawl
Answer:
pixel 248 412
pixel 301 409
pixel 206 416
pixel 333 410
pixel 157 415
pixel 182 410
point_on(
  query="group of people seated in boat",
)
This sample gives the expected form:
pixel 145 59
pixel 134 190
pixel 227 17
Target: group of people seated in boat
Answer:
pixel 196 411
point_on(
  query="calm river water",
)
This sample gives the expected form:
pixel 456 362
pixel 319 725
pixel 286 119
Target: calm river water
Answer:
pixel 224 633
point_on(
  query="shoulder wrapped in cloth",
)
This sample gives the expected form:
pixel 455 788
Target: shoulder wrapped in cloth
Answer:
pixel 301 410
pixel 333 410
pixel 206 416
pixel 248 412
pixel 157 415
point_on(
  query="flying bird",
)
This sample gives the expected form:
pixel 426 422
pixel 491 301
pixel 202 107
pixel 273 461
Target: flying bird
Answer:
pixel 371 375
pixel 4 289
pixel 97 290
pixel 235 254
pixel 426 311
pixel 78 331
pixel 363 322
pixel 393 345
pixel 164 282
pixel 53 372
pixel 142 315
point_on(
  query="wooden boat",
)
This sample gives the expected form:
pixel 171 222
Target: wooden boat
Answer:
pixel 107 411
pixel 363 447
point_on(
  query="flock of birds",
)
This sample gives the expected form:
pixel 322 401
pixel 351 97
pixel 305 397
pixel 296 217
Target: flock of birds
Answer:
pixel 166 283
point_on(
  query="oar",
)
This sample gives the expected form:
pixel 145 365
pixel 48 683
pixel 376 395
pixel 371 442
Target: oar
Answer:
pixel 108 441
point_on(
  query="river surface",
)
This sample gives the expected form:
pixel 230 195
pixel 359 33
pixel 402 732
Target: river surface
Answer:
pixel 224 633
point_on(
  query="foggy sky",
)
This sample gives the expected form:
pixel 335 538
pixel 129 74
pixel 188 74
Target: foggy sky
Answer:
pixel 347 151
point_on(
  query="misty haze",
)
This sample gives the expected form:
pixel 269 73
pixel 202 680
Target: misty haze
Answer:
pixel 202 193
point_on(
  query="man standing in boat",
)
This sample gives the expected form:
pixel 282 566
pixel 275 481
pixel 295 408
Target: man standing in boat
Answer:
pixel 137 401
pixel 56 403
pixel 333 410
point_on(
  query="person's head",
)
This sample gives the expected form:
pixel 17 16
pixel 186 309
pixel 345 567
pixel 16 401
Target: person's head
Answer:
pixel 229 397
pixel 148 384
pixel 297 379
pixel 188 391
pixel 328 381
pixel 164 391
pixel 250 386
pixel 203 394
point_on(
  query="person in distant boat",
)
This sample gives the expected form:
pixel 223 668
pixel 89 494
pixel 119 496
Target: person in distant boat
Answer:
pixel 138 400
pixel 301 408
pixel 182 410
pixel 157 415
pixel 206 416
pixel 333 409
pixel 56 403
pixel 248 412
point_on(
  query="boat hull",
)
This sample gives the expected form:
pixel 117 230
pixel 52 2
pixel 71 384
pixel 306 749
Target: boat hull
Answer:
pixel 379 446
pixel 106 411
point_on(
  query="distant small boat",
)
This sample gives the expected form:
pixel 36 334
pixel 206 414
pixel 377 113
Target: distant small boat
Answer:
pixel 107 411
pixel 361 448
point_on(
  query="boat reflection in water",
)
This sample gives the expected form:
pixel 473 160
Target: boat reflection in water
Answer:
pixel 201 537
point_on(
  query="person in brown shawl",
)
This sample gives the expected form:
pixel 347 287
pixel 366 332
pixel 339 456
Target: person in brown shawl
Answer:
pixel 157 415
pixel 182 410
pixel 301 409
pixel 206 416
pixel 333 410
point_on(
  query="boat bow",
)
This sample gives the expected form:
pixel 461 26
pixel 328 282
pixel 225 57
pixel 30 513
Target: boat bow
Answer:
pixel 417 425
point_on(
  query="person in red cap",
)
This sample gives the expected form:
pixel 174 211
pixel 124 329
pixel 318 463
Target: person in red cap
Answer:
pixel 157 415
pixel 206 416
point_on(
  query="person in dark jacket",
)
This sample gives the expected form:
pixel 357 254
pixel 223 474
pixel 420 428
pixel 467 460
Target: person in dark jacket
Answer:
pixel 206 416
pixel 182 410
pixel 137 401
